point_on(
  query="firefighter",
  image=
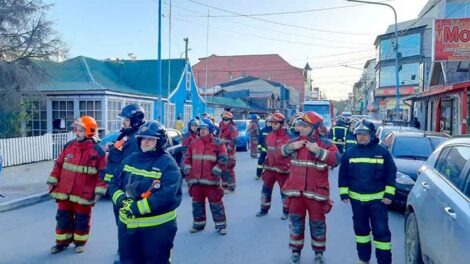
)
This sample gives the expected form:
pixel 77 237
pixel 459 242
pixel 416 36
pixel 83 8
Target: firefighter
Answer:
pixel 350 137
pixel 294 129
pixel 147 190
pixel 262 147
pixel 254 134
pixel 307 187
pixel 206 158
pixel 275 166
pixel 338 134
pixel 76 185
pixel 228 134
pixel 367 181
pixel 189 137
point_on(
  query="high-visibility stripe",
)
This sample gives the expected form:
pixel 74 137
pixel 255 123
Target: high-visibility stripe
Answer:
pixel 259 166
pixel 62 237
pixel 343 190
pixel 383 245
pixel 366 197
pixel 78 237
pixel 204 157
pixel 117 195
pixel 78 168
pixel 269 168
pixel 143 173
pixel 296 242
pixel 315 196
pixel 291 193
pixel 199 223
pixel 108 177
pixel 390 190
pixel 351 141
pixel 100 190
pixel 367 160
pixel 318 243
pixel 150 221
pixel 144 207
pixel 363 239
pixel 52 180
pixel 307 163
pixel 80 200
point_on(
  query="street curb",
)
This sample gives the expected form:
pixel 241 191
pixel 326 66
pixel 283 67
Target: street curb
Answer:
pixel 25 201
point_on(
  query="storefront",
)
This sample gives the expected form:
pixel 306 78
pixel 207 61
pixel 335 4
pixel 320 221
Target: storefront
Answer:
pixel 386 98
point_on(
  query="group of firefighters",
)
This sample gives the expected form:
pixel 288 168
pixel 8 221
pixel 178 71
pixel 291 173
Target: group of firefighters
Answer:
pixel 145 182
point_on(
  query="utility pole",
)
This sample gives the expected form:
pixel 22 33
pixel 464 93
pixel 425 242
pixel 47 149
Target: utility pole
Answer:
pixel 207 54
pixel 186 40
pixel 168 89
pixel 159 63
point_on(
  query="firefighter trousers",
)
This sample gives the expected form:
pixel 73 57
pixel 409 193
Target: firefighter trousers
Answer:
pixel 259 167
pixel 214 194
pixel 372 215
pixel 229 180
pixel 254 147
pixel 269 179
pixel 298 208
pixel 73 223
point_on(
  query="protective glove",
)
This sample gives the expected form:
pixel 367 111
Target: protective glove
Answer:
pixel 126 209
pixel 126 202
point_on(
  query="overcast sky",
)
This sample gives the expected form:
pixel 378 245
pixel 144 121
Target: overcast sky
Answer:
pixel 326 33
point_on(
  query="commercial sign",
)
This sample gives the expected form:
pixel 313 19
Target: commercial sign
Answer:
pixel 452 39
pixel 404 90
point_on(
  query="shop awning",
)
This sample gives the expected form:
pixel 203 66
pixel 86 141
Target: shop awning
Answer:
pixel 438 90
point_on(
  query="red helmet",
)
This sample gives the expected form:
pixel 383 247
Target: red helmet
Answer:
pixel 89 124
pixel 227 115
pixel 277 117
pixel 313 119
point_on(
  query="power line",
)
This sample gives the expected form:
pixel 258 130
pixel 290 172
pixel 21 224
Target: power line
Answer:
pixel 280 23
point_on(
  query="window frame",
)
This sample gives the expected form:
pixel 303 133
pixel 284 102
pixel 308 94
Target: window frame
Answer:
pixel 465 170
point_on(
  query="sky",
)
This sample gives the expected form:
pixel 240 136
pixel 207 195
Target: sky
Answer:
pixel 327 34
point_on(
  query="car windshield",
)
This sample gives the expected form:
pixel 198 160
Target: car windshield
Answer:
pixel 241 125
pixel 412 148
pixel 386 130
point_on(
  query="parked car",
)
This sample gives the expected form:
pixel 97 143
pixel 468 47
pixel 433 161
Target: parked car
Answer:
pixel 383 130
pixel 409 151
pixel 243 140
pixel 438 208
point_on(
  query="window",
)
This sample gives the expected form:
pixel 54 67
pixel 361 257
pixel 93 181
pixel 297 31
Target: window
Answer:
pixel 62 116
pixel 188 81
pixel 408 75
pixel 37 118
pixel 147 110
pixel 114 108
pixel 450 166
pixel 169 114
pixel 188 113
pixel 457 9
pixel 409 45
pixel 92 108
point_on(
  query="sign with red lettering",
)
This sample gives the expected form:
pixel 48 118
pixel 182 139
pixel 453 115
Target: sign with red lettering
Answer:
pixel 452 39
pixel 404 90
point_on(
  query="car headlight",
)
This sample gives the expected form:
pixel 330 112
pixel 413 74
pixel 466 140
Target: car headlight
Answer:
pixel 404 179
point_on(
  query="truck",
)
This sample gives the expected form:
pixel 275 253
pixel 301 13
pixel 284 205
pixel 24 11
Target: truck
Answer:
pixel 323 108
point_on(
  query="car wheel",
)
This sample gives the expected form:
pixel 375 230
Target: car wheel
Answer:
pixel 412 244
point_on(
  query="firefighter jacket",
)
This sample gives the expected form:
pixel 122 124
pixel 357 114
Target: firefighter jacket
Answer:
pixel 350 140
pixel 229 134
pixel 254 130
pixel 338 134
pixel 205 160
pixel 275 161
pixel 187 139
pixel 367 173
pixel 77 173
pixel 262 138
pixel 153 181
pixel 308 171
pixel 125 145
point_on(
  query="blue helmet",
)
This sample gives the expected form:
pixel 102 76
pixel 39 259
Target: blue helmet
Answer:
pixel 153 129
pixel 135 113
pixel 254 117
pixel 193 121
pixel 364 126
pixel 206 123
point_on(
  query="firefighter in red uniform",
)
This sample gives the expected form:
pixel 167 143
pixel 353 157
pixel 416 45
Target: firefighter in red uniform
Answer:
pixel 228 134
pixel 275 166
pixel 254 134
pixel 75 183
pixel 206 158
pixel 189 137
pixel 307 187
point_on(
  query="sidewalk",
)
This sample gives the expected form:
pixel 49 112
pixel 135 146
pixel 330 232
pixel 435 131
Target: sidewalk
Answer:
pixel 24 184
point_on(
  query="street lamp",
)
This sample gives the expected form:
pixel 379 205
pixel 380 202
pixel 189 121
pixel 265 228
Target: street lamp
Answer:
pixel 397 77
pixel 181 54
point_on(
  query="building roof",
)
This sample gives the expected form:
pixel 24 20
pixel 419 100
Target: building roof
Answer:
pixel 424 22
pixel 132 77
pixel 225 101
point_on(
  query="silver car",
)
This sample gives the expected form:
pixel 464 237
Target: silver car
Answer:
pixel 437 222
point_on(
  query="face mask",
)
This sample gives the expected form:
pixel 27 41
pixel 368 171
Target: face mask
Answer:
pixel 147 149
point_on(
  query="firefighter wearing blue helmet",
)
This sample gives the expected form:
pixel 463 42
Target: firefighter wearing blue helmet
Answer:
pixel 367 181
pixel 146 190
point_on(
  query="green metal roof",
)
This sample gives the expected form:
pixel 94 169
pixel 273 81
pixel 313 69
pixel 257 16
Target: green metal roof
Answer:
pixel 225 101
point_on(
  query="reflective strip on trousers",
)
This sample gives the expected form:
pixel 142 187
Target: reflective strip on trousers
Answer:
pixel 383 245
pixel 62 237
pixel 363 239
pixel 78 237
pixel 296 242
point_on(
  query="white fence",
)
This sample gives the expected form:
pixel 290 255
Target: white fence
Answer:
pixel 16 151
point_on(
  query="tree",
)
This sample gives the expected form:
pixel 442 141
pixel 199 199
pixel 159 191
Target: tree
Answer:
pixel 25 37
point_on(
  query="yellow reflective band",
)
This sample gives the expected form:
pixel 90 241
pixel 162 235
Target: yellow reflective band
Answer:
pixel 117 195
pixel 367 160
pixel 59 196
pixel 100 190
pixel 383 245
pixel 259 166
pixel 80 200
pixel 51 180
pixel 363 239
pixel 351 141
pixel 108 177
pixel 390 190
pixel 204 157
pixel 144 207
pixel 143 173
pixel 366 197
pixel 150 221
pixel 78 237
pixel 79 169
pixel 343 190
pixel 296 242
pixel 62 237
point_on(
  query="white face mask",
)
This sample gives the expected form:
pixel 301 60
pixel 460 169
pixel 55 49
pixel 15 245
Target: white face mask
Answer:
pixel 146 149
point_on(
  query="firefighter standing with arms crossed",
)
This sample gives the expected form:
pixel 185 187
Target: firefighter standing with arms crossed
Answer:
pixel 367 181
pixel 307 187
pixel 275 166
pixel 203 166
